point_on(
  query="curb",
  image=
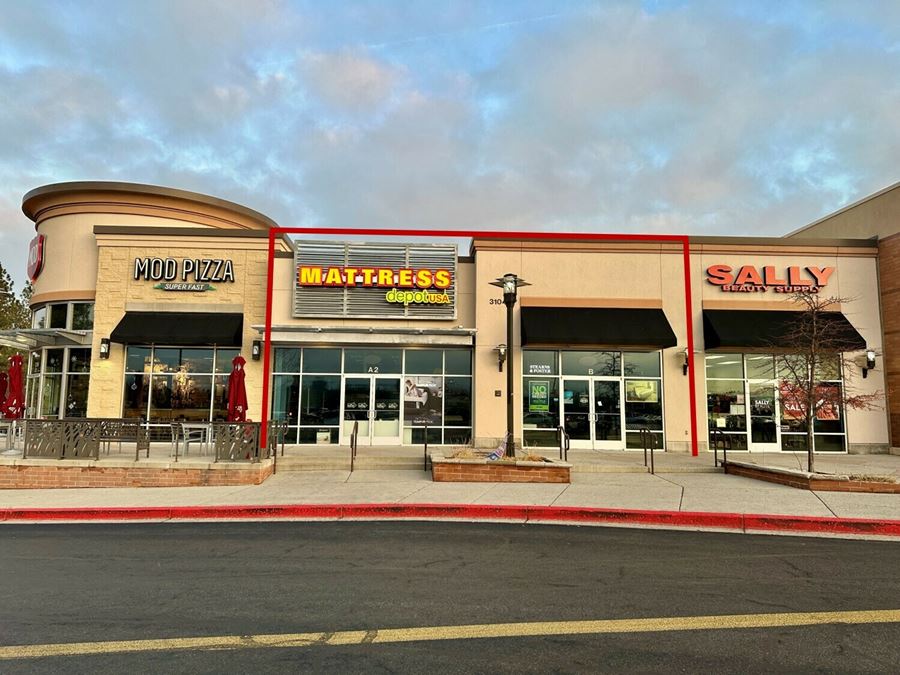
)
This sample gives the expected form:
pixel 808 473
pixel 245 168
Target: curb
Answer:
pixel 735 522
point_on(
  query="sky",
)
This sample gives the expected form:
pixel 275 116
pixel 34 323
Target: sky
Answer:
pixel 729 118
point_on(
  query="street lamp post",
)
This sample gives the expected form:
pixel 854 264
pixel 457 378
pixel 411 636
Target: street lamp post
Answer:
pixel 510 284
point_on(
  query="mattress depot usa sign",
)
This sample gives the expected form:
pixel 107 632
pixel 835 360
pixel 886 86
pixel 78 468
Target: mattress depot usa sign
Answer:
pixel 406 286
pixel 346 279
pixel 186 274
pixel 750 279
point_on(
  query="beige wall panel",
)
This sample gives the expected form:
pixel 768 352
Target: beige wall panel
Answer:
pixel 859 285
pixel 117 291
pixel 676 389
pixel 70 257
pixel 490 410
pixel 878 215
pixel 780 262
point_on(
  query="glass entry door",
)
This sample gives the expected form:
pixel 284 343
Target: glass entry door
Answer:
pixel 374 403
pixel 592 413
pixel 763 417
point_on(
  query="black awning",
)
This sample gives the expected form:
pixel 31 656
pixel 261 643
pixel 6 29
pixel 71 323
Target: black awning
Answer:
pixel 596 326
pixel 180 328
pixel 771 328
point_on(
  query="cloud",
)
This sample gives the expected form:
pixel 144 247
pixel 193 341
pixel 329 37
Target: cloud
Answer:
pixel 348 81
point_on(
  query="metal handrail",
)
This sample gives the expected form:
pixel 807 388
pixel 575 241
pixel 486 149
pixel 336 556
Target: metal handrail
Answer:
pixel 717 438
pixel 648 440
pixel 353 441
pixel 564 443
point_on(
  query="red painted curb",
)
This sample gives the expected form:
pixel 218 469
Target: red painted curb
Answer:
pixel 728 521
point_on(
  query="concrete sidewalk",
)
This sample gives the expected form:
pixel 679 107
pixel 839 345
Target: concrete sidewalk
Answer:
pixel 675 492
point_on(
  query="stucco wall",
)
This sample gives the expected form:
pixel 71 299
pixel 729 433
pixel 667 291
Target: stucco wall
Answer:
pixel 118 292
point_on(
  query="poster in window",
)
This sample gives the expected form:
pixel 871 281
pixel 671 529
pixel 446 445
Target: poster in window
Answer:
pixel 641 391
pixel 423 401
pixel 793 402
pixel 539 396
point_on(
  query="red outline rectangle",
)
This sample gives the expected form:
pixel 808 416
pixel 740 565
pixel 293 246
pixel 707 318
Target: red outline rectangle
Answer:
pixel 684 240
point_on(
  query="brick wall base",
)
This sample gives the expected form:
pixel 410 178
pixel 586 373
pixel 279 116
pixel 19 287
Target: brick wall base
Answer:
pixel 23 476
pixel 499 472
pixel 811 482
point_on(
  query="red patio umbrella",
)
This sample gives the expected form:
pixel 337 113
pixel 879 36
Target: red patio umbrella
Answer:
pixel 4 381
pixel 237 391
pixel 14 407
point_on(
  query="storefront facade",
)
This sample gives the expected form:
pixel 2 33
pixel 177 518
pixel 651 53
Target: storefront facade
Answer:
pixel 144 295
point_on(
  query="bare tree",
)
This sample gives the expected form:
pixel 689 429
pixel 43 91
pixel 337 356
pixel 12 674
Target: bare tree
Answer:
pixel 818 339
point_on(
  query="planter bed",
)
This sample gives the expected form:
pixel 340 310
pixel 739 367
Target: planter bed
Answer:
pixel 482 470
pixel 820 482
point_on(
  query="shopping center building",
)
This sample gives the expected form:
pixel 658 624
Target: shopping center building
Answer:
pixel 143 296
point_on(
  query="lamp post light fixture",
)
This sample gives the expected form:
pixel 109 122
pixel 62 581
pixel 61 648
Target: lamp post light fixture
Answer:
pixel 510 284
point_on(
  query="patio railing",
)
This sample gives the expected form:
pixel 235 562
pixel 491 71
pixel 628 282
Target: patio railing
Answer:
pixel 81 438
pixel 88 438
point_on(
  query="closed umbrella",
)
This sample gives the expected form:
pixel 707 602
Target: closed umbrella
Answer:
pixel 237 391
pixel 4 381
pixel 14 407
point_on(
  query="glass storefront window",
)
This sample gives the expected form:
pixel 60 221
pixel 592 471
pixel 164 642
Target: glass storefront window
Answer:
pixel 765 397
pixel 50 395
pixel 58 316
pixel 76 395
pixel 55 360
pixel 591 363
pixel 287 360
pixel 61 389
pixel 137 360
pixel 39 318
pixel 724 366
pixel 182 384
pixel 641 364
pixel 320 400
pixel 137 392
pixel 286 398
pixel 322 361
pixel 828 367
pixel 535 362
pixel 424 361
pixel 458 361
pixel 725 405
pixel 760 366
pixel 224 357
pixel 458 402
pixel 79 360
pixel 372 361
pixel 82 316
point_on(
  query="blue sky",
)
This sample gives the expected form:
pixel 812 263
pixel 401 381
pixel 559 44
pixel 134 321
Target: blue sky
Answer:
pixel 657 116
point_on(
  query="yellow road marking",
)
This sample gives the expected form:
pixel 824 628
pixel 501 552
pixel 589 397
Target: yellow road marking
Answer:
pixel 475 631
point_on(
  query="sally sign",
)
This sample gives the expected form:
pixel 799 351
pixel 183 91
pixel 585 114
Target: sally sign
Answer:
pixel 750 279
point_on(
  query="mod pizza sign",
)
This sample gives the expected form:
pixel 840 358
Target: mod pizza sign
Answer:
pixel 753 279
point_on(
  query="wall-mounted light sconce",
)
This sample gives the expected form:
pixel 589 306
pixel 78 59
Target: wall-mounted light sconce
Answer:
pixel 501 355
pixel 104 348
pixel 256 350
pixel 870 362
pixel 687 361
